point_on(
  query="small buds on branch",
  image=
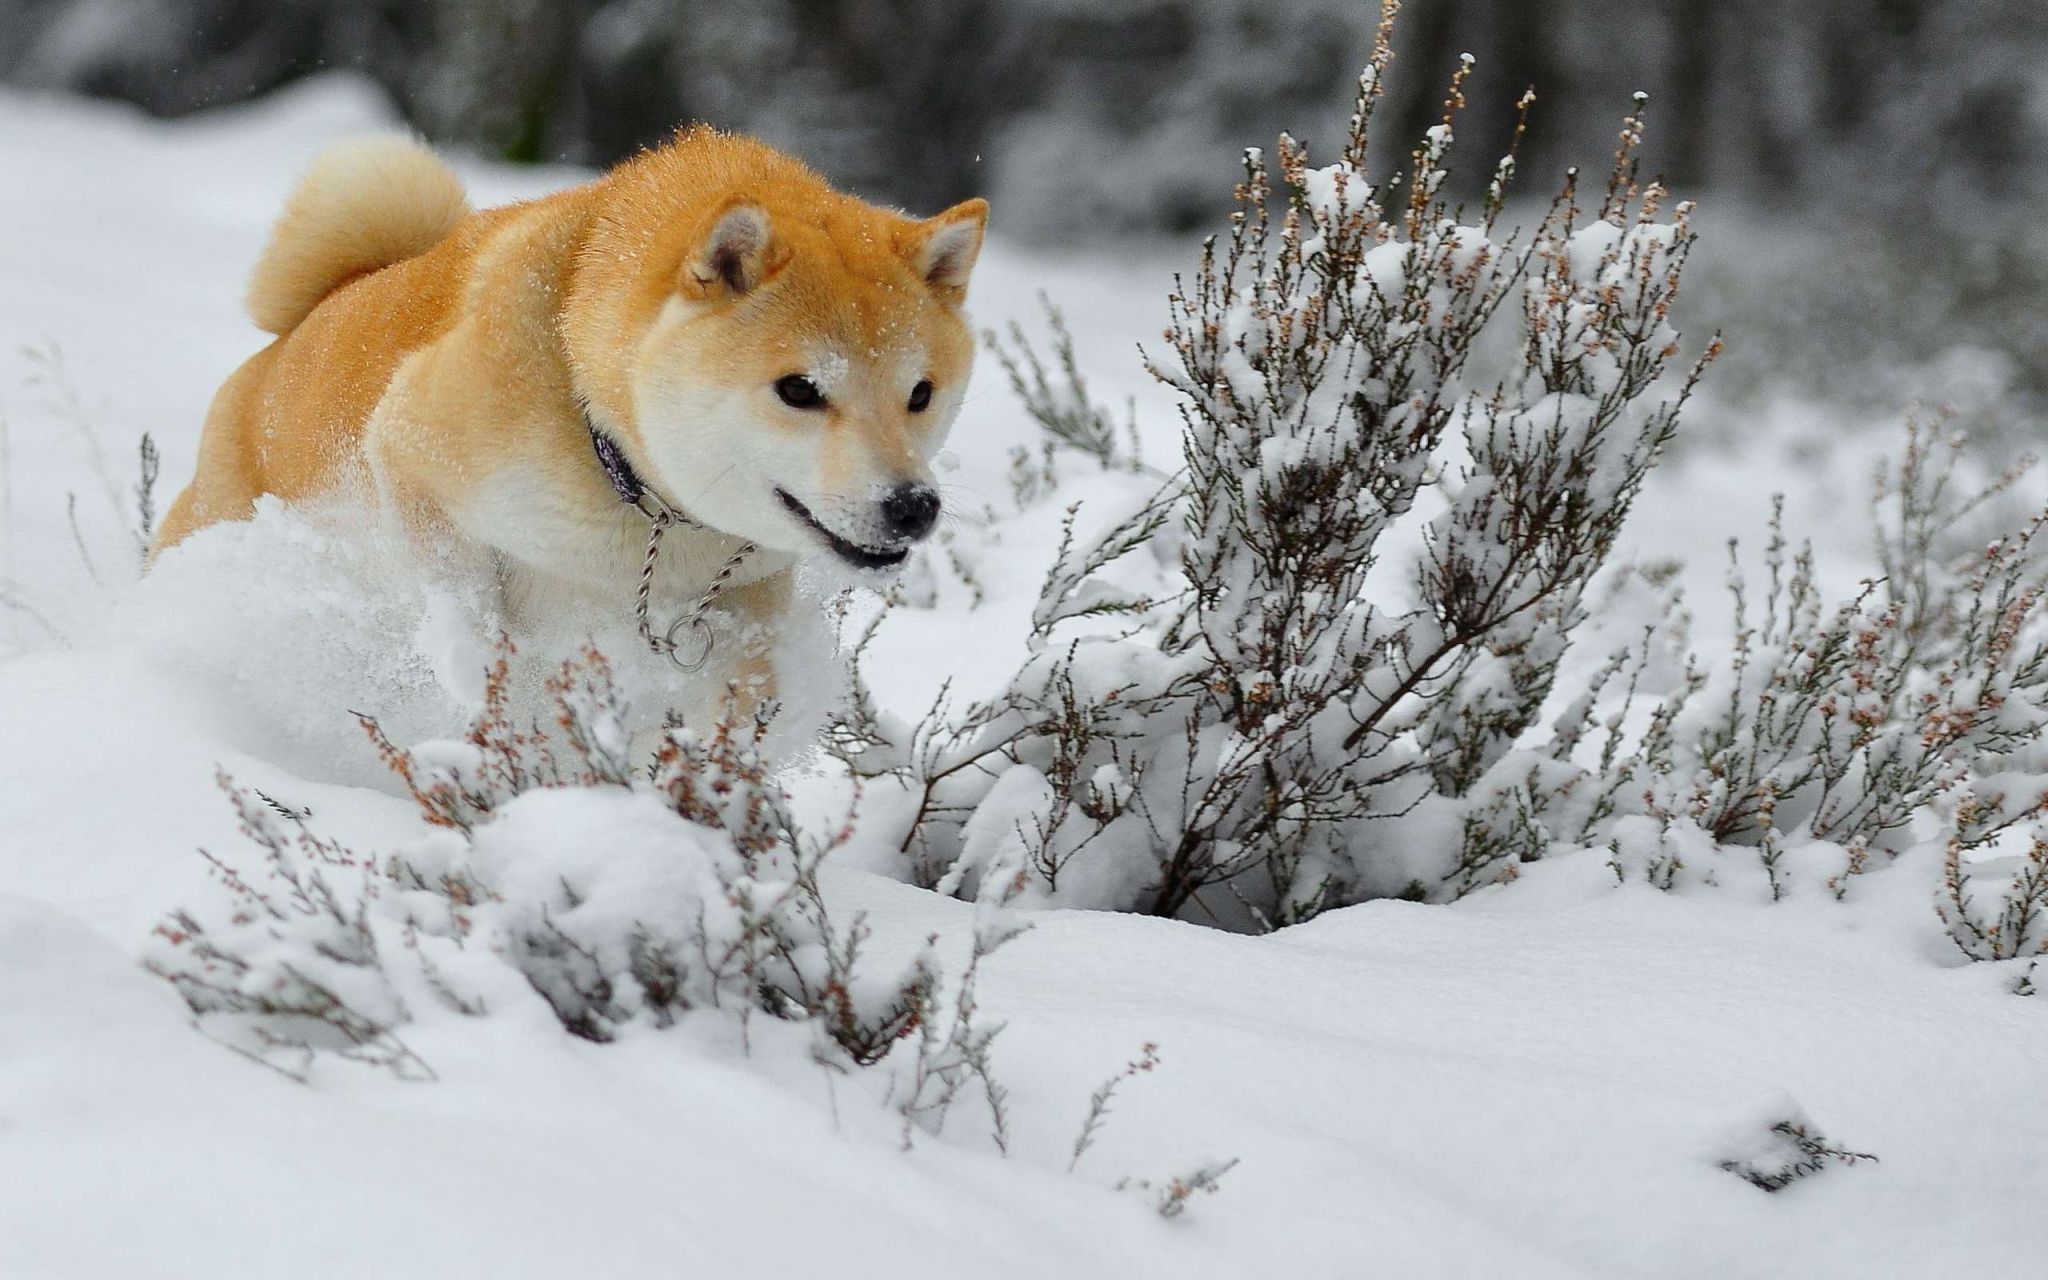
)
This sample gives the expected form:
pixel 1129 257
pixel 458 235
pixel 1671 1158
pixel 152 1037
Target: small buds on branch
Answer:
pixel 1266 711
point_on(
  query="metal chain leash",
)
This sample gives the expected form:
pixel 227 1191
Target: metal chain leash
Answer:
pixel 702 637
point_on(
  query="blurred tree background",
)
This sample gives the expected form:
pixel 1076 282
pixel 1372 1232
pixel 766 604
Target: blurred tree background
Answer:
pixel 1119 115
pixel 1093 119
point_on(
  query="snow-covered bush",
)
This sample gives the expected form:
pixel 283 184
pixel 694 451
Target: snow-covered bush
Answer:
pixel 621 892
pixel 1834 736
pixel 1787 1151
pixel 1342 683
pixel 1853 727
pixel 1376 567
pixel 2015 925
pixel 292 963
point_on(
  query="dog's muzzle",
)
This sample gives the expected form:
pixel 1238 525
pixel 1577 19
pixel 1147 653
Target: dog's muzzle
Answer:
pixel 908 513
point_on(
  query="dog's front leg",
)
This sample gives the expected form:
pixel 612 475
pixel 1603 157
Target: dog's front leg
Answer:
pixel 757 610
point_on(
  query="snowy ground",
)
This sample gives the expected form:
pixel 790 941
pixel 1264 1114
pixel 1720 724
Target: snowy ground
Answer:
pixel 1537 1082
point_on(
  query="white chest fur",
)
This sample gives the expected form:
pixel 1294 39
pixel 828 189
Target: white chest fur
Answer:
pixel 570 559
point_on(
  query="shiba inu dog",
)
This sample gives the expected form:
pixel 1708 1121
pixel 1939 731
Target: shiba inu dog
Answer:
pixel 708 335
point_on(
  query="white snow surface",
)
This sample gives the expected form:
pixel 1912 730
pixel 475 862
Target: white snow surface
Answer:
pixel 1539 1081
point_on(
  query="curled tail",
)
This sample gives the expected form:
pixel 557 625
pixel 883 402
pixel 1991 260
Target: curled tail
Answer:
pixel 363 205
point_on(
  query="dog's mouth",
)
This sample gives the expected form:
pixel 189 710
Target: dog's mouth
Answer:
pixel 852 552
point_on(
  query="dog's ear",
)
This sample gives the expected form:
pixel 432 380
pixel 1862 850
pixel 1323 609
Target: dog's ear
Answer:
pixel 947 244
pixel 734 256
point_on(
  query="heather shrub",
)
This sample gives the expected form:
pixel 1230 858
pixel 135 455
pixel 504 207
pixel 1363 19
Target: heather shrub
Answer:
pixel 1785 1152
pixel 1321 664
pixel 1057 398
pixel 1851 731
pixel 1991 920
pixel 1374 566
pixel 621 890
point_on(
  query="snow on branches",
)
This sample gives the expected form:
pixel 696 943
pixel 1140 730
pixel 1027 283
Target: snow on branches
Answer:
pixel 1378 566
pixel 1336 690
pixel 621 891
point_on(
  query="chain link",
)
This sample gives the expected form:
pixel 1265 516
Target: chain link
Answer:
pixel 694 621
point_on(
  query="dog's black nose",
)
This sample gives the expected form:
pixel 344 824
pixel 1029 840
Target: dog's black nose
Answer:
pixel 910 511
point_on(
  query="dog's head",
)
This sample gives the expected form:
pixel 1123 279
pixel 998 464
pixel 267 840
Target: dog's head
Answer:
pixel 797 359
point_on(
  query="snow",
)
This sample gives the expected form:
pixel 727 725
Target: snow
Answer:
pixel 1539 1081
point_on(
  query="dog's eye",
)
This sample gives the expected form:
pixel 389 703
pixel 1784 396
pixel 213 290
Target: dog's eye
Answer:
pixel 920 396
pixel 799 392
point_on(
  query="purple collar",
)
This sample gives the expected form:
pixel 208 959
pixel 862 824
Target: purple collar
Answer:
pixel 626 482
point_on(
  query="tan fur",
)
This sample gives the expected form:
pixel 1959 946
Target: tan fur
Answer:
pixel 362 206
pixel 442 361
